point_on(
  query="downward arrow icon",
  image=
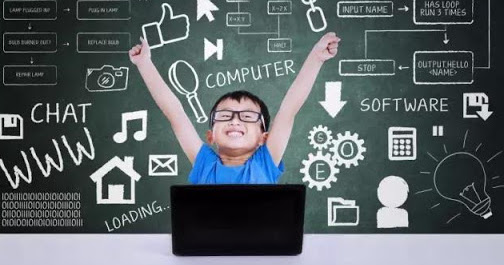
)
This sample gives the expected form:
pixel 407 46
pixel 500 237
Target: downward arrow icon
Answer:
pixel 484 113
pixel 333 103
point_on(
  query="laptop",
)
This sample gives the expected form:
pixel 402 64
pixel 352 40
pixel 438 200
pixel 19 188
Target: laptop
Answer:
pixel 210 220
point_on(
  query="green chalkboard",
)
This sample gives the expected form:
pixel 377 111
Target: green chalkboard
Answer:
pixel 400 134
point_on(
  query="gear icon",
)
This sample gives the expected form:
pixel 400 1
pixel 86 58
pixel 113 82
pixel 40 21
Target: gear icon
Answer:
pixel 350 159
pixel 316 131
pixel 323 158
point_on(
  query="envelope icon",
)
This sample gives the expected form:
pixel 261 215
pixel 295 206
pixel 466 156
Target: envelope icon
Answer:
pixel 163 165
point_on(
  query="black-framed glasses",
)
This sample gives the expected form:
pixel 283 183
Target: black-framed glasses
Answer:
pixel 248 116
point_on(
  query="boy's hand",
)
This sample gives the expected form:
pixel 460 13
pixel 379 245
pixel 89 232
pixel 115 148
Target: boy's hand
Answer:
pixel 140 53
pixel 327 47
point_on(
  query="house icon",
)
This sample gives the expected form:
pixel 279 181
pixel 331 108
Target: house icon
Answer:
pixel 115 192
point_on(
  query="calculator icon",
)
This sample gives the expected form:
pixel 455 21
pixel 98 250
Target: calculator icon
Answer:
pixel 402 143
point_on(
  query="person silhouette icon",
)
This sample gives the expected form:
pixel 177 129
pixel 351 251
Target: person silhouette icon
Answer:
pixel 392 193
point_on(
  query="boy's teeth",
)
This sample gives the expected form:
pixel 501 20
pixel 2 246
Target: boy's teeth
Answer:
pixel 234 134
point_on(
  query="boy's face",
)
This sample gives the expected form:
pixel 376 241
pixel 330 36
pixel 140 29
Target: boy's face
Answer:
pixel 235 134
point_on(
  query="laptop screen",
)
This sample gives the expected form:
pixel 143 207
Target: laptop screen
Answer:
pixel 237 219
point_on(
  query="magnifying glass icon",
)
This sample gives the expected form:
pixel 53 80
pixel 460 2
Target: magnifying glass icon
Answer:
pixel 191 96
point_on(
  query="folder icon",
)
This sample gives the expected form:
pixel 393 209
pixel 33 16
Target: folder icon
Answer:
pixel 341 212
pixel 11 127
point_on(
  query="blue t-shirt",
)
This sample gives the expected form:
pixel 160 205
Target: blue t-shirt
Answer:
pixel 259 169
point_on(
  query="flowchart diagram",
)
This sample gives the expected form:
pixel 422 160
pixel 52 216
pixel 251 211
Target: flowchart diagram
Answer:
pixel 32 43
pixel 430 67
pixel 243 19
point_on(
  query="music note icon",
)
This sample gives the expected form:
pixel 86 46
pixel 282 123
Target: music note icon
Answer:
pixel 139 135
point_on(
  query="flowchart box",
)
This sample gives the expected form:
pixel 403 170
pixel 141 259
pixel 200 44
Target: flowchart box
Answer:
pixel 30 42
pixel 30 75
pixel 367 67
pixel 280 45
pixel 238 19
pixel 443 12
pixel 103 10
pixel 103 42
pixel 30 9
pixel 279 7
pixel 360 9
pixel 443 67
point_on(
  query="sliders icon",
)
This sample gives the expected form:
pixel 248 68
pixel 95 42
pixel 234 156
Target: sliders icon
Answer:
pixel 211 49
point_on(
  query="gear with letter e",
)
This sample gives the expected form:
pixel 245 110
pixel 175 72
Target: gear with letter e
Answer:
pixel 317 160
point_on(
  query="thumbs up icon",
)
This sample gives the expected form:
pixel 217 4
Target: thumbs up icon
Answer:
pixel 170 28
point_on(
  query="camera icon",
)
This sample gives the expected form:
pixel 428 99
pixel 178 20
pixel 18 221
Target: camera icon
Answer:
pixel 107 78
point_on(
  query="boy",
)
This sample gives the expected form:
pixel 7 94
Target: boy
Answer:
pixel 247 153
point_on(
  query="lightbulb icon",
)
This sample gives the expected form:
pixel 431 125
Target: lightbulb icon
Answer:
pixel 461 177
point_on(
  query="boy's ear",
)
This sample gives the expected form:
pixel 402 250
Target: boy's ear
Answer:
pixel 209 137
pixel 264 137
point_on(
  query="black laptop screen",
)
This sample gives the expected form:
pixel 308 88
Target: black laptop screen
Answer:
pixel 237 219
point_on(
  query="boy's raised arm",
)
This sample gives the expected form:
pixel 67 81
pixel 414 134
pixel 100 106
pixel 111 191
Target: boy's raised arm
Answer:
pixel 168 103
pixel 324 49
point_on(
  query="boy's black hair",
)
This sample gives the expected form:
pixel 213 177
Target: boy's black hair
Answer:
pixel 238 96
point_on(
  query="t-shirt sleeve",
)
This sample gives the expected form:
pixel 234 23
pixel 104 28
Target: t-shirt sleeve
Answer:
pixel 205 156
pixel 264 157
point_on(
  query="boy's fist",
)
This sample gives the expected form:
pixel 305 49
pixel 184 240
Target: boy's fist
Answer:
pixel 140 52
pixel 327 47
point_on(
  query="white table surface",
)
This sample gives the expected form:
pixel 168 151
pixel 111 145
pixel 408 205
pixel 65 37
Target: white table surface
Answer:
pixel 153 249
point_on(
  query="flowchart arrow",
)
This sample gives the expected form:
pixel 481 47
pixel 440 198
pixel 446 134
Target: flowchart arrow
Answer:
pixel 403 67
pixel 205 7
pixel 484 113
pixel 333 103
pixel 405 8
pixel 446 40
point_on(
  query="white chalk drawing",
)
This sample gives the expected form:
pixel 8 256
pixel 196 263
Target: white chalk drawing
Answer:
pixel 191 95
pixel 107 78
pixel 392 193
pixel 77 157
pixel 362 13
pixel 312 12
pixel 467 180
pixel 205 8
pixel 279 45
pixel 11 127
pixel 211 49
pixel 348 149
pixel 83 46
pixel 476 105
pixel 163 165
pixel 437 130
pixel 417 21
pixel 402 143
pixel 332 103
pixel 139 135
pixel 320 137
pixel 53 38
pixel 158 39
pixel 461 177
pixel 10 6
pixel 116 5
pixel 325 171
pixel 276 8
pixel 116 192
pixel 341 212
